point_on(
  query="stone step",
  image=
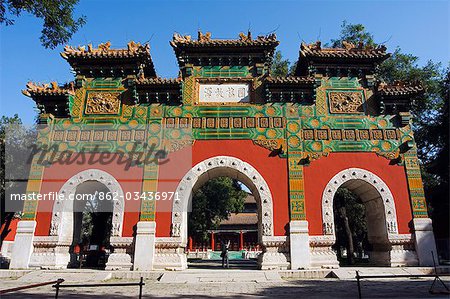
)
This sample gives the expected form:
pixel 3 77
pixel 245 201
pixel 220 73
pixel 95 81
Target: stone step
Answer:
pixel 350 272
pixel 67 275
pixel 220 276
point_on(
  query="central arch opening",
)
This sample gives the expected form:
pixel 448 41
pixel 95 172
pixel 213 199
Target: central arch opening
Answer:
pixel 223 226
pixel 233 168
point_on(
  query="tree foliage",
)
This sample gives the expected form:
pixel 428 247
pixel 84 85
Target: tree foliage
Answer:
pixel 280 66
pixel 213 203
pixel 57 15
pixel 352 33
pixel 15 141
pixel 351 226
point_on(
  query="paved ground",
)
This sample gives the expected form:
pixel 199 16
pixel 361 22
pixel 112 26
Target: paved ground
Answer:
pixel 234 287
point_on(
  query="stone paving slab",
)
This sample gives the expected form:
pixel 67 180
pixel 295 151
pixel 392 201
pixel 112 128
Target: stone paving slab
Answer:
pixel 323 288
pixel 350 272
pixel 67 275
pixel 220 276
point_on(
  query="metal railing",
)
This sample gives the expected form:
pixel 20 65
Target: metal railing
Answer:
pixel 59 285
pixel 430 290
pixel 36 285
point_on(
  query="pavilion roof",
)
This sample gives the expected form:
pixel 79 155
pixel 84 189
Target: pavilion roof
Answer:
pixel 135 53
pixel 205 41
pixel 241 218
pixel 348 50
pixel 348 55
pixel 49 89
pixel 400 88
pixel 245 50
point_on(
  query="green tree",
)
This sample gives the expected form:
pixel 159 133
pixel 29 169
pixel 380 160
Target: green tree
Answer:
pixel 59 22
pixel 351 226
pixel 15 142
pixel 280 66
pixel 213 203
pixel 352 33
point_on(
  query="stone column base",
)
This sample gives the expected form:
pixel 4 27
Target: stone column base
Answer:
pixel 170 254
pixel 299 244
pixel 402 252
pixel 322 255
pixel 144 247
pixel 275 253
pixel 23 245
pixel 50 253
pixel 120 259
pixel 425 242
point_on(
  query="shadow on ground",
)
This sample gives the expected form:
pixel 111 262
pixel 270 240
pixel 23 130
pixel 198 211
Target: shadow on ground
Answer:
pixel 327 288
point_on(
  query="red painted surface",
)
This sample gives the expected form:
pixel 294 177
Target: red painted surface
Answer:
pixel 241 240
pixel 273 170
pixel 56 175
pixel 12 230
pixel 320 172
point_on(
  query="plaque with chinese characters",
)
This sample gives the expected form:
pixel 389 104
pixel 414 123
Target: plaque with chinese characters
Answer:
pixel 224 93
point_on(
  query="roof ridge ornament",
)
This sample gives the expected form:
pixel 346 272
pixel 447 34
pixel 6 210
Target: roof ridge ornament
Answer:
pixel 51 88
pixel 132 48
pixel 204 37
pixel 244 37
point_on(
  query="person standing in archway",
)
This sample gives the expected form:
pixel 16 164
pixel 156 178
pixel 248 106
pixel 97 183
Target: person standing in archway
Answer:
pixel 225 245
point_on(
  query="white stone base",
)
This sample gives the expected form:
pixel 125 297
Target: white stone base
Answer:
pixel 50 253
pixel 275 255
pixel 425 242
pixel 144 246
pixel 121 258
pixel 404 258
pixel 322 255
pixel 299 244
pixel 169 260
pixel 23 245
pixel 50 260
pixel 119 261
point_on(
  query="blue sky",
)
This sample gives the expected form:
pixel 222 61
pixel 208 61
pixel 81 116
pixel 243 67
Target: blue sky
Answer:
pixel 418 27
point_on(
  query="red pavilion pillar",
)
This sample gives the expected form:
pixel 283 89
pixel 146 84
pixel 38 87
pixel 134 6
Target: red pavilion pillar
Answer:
pixel 190 243
pixel 241 240
pixel 212 241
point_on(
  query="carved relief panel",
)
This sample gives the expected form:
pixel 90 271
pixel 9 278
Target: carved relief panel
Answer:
pixel 346 101
pixel 102 103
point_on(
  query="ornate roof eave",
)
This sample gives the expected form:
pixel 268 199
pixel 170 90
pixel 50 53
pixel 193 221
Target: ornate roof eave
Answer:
pixel 400 89
pixel 291 80
pixel 348 51
pixel 52 89
pixel 158 81
pixel 349 56
pixel 184 46
pixel 205 41
pixel 135 53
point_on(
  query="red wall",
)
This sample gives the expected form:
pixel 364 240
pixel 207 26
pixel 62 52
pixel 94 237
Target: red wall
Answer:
pixel 272 169
pixel 320 172
pixel 12 230
pixel 55 176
